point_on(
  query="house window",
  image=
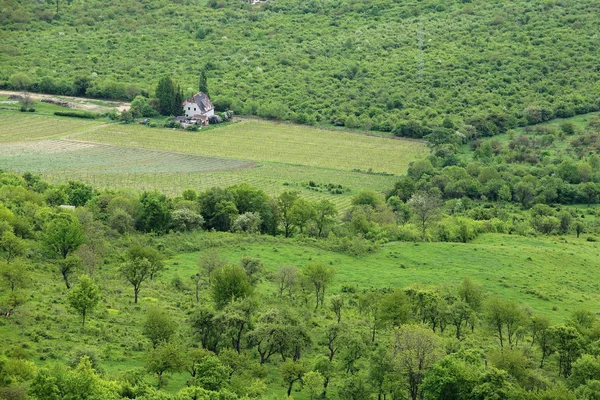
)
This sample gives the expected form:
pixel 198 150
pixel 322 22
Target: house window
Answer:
pixel 188 108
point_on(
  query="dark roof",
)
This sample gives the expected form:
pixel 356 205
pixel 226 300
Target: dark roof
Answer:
pixel 202 101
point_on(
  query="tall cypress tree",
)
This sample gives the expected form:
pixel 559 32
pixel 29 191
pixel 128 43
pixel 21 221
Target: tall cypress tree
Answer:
pixel 204 83
pixel 177 106
pixel 166 93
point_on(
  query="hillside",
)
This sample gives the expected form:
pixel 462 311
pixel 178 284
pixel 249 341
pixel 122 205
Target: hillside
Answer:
pixel 370 64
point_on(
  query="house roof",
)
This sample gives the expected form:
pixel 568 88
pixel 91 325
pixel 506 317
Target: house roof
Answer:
pixel 202 101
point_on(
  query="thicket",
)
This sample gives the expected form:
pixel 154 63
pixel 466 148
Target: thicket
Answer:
pixel 391 66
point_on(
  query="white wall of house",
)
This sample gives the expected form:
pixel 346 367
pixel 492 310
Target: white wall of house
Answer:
pixel 210 113
pixel 191 109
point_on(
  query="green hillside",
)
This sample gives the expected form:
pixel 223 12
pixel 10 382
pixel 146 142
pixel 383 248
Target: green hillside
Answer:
pixel 370 64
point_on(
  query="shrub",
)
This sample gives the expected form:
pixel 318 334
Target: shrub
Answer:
pixel 77 114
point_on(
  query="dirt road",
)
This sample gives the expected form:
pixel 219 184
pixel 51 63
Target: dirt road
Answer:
pixel 80 103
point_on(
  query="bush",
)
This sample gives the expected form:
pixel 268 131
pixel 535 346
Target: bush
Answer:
pixel 173 124
pixel 77 114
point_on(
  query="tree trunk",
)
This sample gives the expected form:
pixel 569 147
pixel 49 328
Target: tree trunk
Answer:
pixel 136 291
pixel 66 279
pixel 83 318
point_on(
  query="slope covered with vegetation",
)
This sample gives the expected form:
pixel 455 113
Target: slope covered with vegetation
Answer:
pixel 470 269
pixel 383 65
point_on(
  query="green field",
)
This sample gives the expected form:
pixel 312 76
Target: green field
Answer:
pixel 273 157
pixel 24 127
pixel 272 142
pixel 552 276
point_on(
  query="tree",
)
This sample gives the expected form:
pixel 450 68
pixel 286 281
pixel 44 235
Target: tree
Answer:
pixel 169 96
pixel 209 262
pixel 320 276
pixel 471 293
pixel 184 219
pixel 11 245
pixel 425 207
pixel 63 235
pixel 68 267
pixel 153 256
pixel 14 275
pixel 325 215
pixel 136 271
pixel 165 358
pixel 285 202
pixel 253 267
pixel 337 304
pixel 567 342
pixel 459 314
pixel 235 319
pixel 506 319
pixel 292 372
pixel 286 278
pixel 301 213
pixel 416 349
pixel 230 283
pixel 540 336
pixel 248 222
pixel 313 383
pixel 393 308
pixel 158 326
pixel 203 84
pixel 206 329
pixel 84 297
pixel 585 369
pixel 210 372
pixel 452 377
pixel 155 214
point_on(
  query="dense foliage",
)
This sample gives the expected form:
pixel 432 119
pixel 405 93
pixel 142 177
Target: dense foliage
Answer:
pixel 383 65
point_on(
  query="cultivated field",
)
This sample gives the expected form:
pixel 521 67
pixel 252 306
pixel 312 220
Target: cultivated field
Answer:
pixel 19 127
pixel 272 142
pixel 270 156
pixel 52 156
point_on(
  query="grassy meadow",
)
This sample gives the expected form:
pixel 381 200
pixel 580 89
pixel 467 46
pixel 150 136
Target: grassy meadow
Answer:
pixel 551 276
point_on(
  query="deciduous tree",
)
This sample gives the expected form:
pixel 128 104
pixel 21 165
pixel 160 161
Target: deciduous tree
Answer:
pixel 84 297
pixel 158 327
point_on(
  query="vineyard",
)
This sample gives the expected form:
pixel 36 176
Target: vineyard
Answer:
pixel 45 156
pixel 27 127
pixel 272 142
pixel 319 164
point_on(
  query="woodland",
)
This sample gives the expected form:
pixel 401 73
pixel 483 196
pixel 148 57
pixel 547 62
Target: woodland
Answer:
pixel 391 66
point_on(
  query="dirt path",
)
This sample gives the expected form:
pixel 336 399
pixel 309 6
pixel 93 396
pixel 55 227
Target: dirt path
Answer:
pixel 80 103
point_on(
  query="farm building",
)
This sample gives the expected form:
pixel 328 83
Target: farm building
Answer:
pixel 197 106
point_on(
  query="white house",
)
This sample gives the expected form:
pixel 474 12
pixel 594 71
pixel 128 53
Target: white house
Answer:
pixel 198 105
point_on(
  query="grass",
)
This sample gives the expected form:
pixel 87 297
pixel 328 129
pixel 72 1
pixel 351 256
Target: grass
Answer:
pixel 552 276
pixel 273 142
